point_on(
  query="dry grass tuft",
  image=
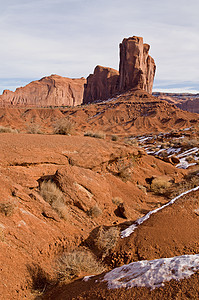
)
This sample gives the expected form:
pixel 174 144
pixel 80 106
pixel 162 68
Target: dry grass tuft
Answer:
pixel 125 170
pixel 34 129
pixel 78 262
pixel 7 208
pixel 105 240
pixel 117 200
pixel 98 135
pixel 64 126
pixel 159 186
pixel 94 211
pixel 54 196
pixel 4 129
pixel 114 138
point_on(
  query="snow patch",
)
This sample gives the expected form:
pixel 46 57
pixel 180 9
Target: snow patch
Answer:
pixel 153 273
pixel 86 278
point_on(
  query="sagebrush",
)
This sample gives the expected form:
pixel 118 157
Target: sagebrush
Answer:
pixel 77 262
pixel 54 196
pixel 64 126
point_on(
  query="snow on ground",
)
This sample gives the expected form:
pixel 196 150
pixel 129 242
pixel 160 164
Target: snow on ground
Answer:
pixel 99 113
pixel 153 273
pixel 128 231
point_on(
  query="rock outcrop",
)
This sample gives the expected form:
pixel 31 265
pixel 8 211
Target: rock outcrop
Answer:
pixel 185 101
pixel 136 71
pixel 137 67
pixel 53 90
pixel 102 84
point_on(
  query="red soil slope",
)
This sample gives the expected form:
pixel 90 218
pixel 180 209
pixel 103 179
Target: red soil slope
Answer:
pixel 87 172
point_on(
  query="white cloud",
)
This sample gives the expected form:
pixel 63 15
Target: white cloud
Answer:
pixel 70 37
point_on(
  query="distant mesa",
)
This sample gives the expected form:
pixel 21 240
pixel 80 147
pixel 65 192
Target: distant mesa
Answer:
pixel 53 90
pixel 136 71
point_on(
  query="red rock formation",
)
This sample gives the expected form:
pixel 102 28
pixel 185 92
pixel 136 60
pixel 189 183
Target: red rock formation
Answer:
pixel 101 85
pixel 137 70
pixel 53 90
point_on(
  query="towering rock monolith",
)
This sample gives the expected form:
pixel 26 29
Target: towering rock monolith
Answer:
pixel 137 67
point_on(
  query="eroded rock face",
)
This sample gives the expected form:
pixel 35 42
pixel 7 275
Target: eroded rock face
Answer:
pixel 53 90
pixel 185 101
pixel 136 70
pixel 137 67
pixel 101 85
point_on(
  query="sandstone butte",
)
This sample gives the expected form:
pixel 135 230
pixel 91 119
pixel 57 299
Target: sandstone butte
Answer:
pixel 53 90
pixel 136 71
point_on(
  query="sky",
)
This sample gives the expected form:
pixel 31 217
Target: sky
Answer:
pixel 70 37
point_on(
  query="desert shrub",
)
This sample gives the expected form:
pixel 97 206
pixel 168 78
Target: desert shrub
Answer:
pixel 64 126
pixel 98 135
pixel 54 196
pixel 88 133
pixel 40 279
pixel 4 129
pixel 114 138
pixel 74 263
pixel 94 211
pixel 105 240
pixel 7 208
pixel 142 188
pixel 190 159
pixel 131 141
pixel 159 186
pixel 34 129
pixel 124 170
pixel 2 236
pixel 117 200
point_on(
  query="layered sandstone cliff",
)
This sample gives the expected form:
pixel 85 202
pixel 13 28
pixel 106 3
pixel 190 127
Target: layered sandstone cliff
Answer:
pixel 53 90
pixel 136 70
